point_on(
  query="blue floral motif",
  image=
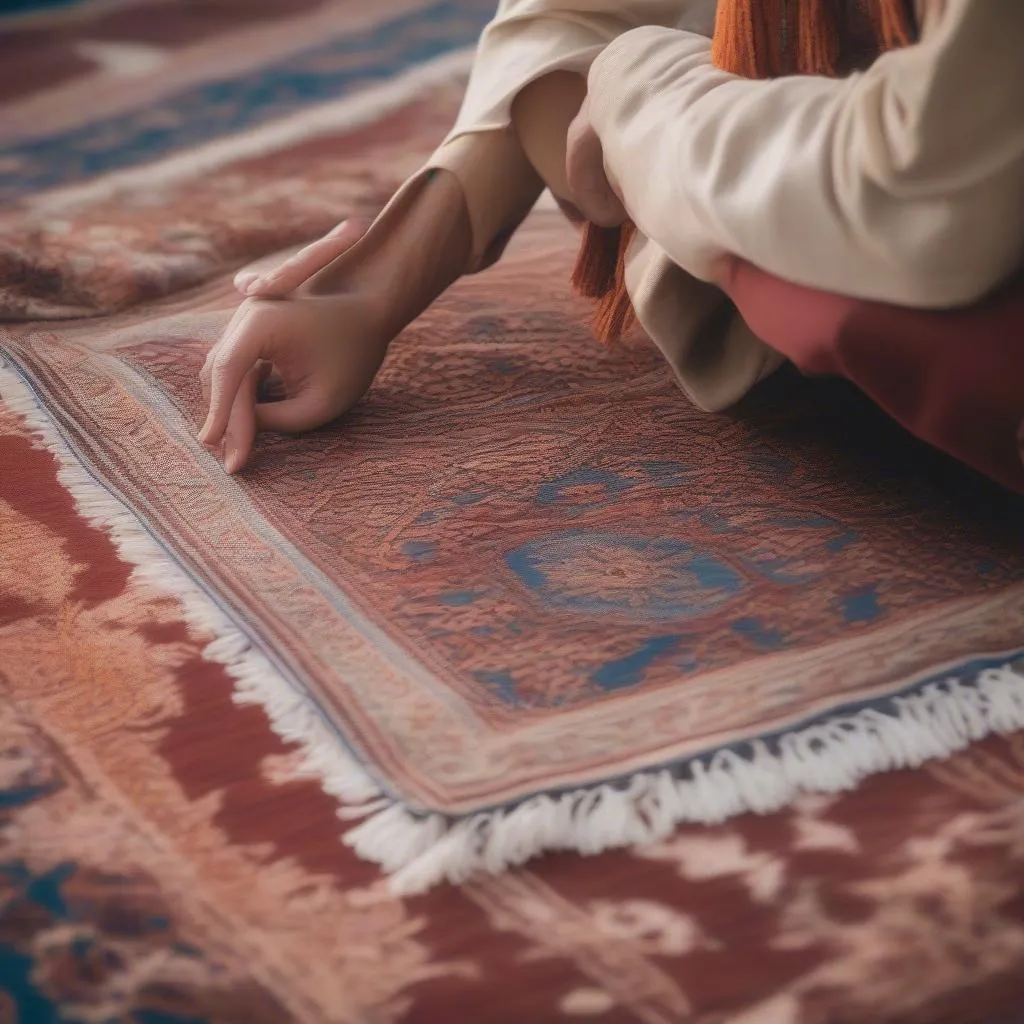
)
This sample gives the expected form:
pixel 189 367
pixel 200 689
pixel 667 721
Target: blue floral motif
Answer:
pixel 583 488
pixel 603 573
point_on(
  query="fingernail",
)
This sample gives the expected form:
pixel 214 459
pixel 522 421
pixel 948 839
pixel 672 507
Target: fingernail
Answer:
pixel 244 279
pixel 337 229
pixel 252 285
pixel 203 434
pixel 232 460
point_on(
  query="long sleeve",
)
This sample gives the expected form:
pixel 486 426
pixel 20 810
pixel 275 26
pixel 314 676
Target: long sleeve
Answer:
pixel 530 38
pixel 903 184
pixel 526 40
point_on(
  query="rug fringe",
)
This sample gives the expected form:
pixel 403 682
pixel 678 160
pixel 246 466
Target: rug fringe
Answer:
pixel 420 851
pixel 292 714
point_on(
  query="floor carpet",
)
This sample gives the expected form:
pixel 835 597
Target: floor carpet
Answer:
pixel 523 599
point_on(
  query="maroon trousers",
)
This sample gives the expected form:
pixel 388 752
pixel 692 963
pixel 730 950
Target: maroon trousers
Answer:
pixel 955 378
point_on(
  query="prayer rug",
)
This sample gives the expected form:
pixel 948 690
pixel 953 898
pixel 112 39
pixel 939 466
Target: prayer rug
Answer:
pixel 162 862
pixel 525 597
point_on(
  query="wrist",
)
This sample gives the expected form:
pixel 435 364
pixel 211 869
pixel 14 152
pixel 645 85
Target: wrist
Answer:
pixel 421 253
pixel 408 257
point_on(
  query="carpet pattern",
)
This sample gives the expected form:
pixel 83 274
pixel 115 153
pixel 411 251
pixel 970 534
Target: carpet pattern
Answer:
pixel 697 577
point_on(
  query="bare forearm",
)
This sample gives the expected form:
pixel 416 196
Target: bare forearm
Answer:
pixel 407 263
pixel 428 251
pixel 417 251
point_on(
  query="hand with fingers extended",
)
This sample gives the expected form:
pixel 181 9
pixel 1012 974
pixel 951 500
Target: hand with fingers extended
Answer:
pixel 324 350
pixel 323 327
pixel 298 269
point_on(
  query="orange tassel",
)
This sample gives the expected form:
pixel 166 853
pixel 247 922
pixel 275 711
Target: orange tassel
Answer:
pixel 894 23
pixel 747 38
pixel 594 274
pixel 755 39
pixel 615 313
pixel 817 33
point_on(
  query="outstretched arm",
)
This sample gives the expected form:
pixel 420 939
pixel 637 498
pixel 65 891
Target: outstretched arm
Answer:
pixel 328 335
pixel 325 318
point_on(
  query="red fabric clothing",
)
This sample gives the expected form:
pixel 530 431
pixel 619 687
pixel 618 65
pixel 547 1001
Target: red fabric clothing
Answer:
pixel 954 378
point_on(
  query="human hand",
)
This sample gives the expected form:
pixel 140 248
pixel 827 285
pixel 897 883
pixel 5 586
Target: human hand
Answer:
pixel 297 269
pixel 317 382
pixel 588 182
pixel 326 336
pixel 325 352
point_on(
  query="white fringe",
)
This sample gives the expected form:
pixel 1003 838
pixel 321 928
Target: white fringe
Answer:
pixel 420 851
pixel 835 755
pixel 293 715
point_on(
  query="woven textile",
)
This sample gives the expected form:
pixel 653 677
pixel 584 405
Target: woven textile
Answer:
pixel 525 595
pixel 162 859
pixel 522 598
